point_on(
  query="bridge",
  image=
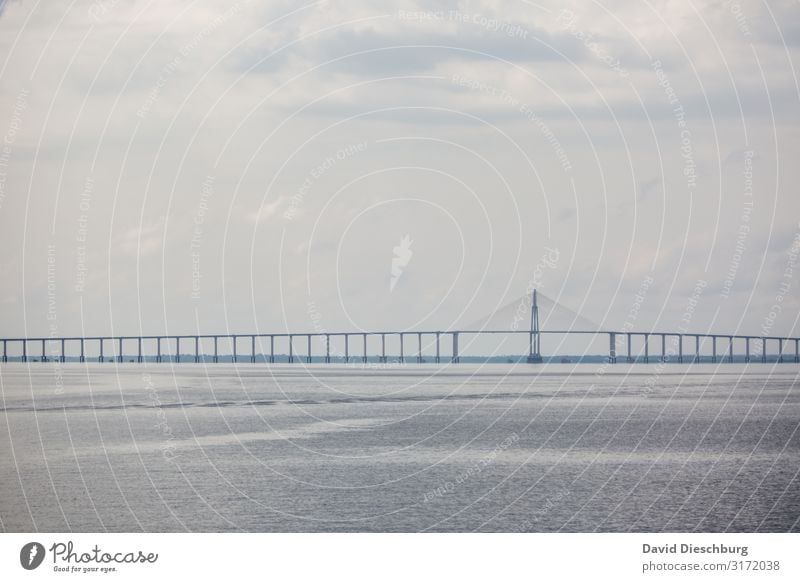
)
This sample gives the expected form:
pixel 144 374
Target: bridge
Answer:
pixel 684 347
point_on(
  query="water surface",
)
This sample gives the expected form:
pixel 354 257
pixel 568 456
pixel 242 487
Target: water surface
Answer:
pixel 217 447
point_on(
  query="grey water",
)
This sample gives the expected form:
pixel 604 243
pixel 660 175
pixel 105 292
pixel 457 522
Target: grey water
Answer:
pixel 505 448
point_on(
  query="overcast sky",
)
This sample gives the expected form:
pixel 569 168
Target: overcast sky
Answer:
pixel 253 166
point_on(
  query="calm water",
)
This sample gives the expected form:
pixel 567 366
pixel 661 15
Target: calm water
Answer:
pixel 492 448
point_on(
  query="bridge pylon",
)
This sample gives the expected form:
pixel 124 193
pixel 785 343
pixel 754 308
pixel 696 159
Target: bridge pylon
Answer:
pixel 534 344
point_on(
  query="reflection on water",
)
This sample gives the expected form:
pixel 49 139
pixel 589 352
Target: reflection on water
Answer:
pixel 451 448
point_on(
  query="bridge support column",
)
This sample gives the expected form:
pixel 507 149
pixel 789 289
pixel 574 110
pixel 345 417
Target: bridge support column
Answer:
pixel 346 348
pixel 364 357
pixel 663 347
pixel 308 342
pixel 158 349
pixel 730 349
pixel 120 357
pixel 796 351
pixel 763 350
pixel 177 349
pixel 780 350
pixel 63 357
pixel 196 349
pixel 272 349
pixel 44 353
pixel 5 351
pixel 534 347
pixel 714 348
pixel 402 354
pixel 697 349
pixel 419 348
pixel 291 352
pixel 438 355
pixel 747 349
pixel 327 349
pixel 456 358
pixel 680 348
pixel 646 348
pixel 628 340
pixel 216 353
pixel 383 348
pixel 100 357
pixel 612 348
pixel 253 349
pixel 235 355
pixel 82 357
pixel 535 339
pixel 139 350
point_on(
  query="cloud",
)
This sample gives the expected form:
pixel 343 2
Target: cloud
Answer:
pixel 267 211
pixel 140 241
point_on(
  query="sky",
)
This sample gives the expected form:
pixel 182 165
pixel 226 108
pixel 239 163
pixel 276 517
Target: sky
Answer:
pixel 181 167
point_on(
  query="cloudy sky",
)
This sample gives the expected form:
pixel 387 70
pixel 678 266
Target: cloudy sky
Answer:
pixel 174 166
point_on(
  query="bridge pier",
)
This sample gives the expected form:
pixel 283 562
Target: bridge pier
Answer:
pixel 628 341
pixel 177 349
pixel 308 345
pixel 272 349
pixel 780 350
pixel 714 349
pixel 364 357
pixel 196 349
pixel 158 350
pixel 100 357
pixel 139 349
pixel 82 357
pixel 796 351
pixel 402 354
pixel 535 339
pixel 327 349
pixel 291 352
pixel 646 348
pixel 747 349
pixel 663 347
pixel 216 353
pixel 419 348
pixel 456 358
pixel 383 348
pixel 534 355
pixel 697 349
pixel 5 351
pixel 730 349
pixel 763 350
pixel 346 348
pixel 438 355
pixel 612 348
pixel 680 348
pixel 253 349
pixel 44 354
pixel 120 357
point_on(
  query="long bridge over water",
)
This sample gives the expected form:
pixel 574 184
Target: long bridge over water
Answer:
pixel 684 347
